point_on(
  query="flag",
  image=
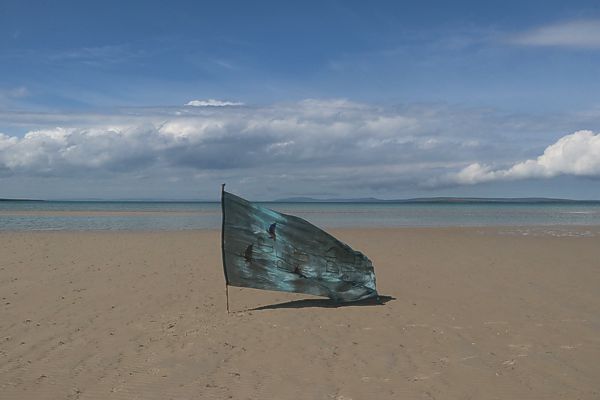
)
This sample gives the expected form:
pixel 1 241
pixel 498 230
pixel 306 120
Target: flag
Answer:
pixel 264 249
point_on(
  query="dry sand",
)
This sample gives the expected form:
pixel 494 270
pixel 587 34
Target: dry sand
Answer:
pixel 478 314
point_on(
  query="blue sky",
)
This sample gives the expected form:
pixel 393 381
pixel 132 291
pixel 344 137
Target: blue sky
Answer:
pixel 328 98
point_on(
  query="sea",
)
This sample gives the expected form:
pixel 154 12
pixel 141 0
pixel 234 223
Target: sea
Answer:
pixel 150 215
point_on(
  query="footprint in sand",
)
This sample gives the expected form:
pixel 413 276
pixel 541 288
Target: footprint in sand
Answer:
pixel 509 363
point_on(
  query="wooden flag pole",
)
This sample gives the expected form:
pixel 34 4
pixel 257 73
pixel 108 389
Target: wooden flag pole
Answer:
pixel 227 296
pixel 223 245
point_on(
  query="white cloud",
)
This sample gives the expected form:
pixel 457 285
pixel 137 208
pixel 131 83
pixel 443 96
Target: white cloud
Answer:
pixel 7 141
pixel 212 103
pixel 578 34
pixel 575 154
pixel 308 137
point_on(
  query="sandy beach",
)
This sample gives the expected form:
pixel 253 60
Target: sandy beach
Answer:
pixel 477 313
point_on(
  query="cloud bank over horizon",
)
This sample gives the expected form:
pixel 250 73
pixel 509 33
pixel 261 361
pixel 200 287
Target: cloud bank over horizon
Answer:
pixel 576 154
pixel 316 147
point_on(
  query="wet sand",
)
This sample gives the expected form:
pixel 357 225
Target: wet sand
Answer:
pixel 494 313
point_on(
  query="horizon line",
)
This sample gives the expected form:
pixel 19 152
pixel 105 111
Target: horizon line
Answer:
pixel 301 199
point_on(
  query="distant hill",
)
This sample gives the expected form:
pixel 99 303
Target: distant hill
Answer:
pixel 311 200
pixel 454 200
pixel 528 200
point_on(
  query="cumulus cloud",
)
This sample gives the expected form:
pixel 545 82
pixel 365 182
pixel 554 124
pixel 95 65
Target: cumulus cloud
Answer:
pixel 212 103
pixel 309 133
pixel 578 34
pixel 576 154
pixel 69 151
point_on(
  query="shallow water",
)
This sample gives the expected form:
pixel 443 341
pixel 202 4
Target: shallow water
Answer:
pixel 64 215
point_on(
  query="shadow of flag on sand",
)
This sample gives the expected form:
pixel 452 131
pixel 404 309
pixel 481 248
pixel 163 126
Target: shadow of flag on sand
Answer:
pixel 264 249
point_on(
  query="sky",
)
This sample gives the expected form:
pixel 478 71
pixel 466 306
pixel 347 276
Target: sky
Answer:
pixel 327 99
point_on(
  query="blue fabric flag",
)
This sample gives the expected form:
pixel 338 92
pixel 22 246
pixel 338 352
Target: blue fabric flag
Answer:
pixel 264 249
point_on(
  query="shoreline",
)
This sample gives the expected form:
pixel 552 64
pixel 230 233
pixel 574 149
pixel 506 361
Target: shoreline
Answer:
pixel 594 229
